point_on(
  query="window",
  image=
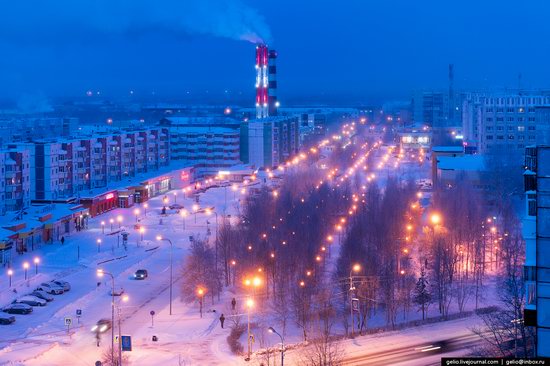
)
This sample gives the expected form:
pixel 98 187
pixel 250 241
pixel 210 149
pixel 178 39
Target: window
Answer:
pixel 489 137
pixel 500 137
pixel 500 119
pixel 510 110
pixel 489 119
pixel 489 128
pixel 531 128
pixel 500 128
pixel 510 137
pixel 510 119
pixel 521 128
pixel 511 128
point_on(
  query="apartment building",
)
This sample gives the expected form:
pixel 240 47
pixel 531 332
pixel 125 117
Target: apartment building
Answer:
pixel 506 122
pixel 536 233
pixel 15 182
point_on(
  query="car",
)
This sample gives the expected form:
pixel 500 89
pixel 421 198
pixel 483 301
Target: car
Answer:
pixel 141 274
pixel 102 326
pixel 42 295
pixel 6 320
pixel 176 206
pixel 50 288
pixel 30 300
pixel 116 292
pixel 17 309
pixel 66 286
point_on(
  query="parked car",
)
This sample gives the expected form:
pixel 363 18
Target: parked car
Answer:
pixel 17 309
pixel 51 288
pixel 116 292
pixel 6 320
pixel 66 286
pixel 30 300
pixel 175 206
pixel 42 295
pixel 102 326
pixel 141 274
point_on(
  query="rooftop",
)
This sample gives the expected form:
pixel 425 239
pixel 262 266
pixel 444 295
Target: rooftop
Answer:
pixel 465 163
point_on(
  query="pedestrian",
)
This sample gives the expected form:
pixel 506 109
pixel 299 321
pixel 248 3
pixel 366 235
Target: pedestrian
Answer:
pixel 222 319
pixel 62 240
pixel 233 304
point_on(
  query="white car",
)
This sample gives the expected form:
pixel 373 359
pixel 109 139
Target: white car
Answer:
pixel 51 288
pixel 66 286
pixel 30 300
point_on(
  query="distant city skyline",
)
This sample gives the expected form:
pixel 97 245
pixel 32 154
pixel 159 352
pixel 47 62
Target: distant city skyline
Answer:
pixel 362 51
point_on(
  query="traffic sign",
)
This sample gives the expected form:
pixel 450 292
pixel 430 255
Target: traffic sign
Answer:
pixel 355 304
pixel 68 321
pixel 79 312
pixel 126 343
pixel 116 339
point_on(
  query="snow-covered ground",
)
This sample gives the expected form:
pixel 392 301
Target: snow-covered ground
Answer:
pixel 42 338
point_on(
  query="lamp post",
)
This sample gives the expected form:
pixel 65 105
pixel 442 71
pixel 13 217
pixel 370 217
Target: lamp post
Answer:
pixel 141 231
pixel 10 274
pixel 124 298
pixel 355 268
pixel 145 206
pixel 26 267
pixel 200 292
pixel 195 210
pixel 36 261
pixel 160 238
pixel 136 213
pixel 175 197
pixel 103 227
pixel 101 273
pixel 249 305
pixel 111 221
pixel 119 220
pixel 272 330
pixel 183 214
pixel 98 245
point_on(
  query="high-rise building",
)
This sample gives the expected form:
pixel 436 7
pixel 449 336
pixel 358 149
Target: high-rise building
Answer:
pixel 508 123
pixel 14 179
pixel 270 141
pixel 536 233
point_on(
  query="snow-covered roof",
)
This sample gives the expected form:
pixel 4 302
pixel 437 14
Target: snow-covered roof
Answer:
pixel 457 149
pixel 466 163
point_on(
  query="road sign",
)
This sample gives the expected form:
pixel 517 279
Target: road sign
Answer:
pixel 78 312
pixel 126 343
pixel 116 339
pixel 68 321
pixel 152 312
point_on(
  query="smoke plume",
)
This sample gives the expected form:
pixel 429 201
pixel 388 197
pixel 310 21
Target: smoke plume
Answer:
pixel 56 20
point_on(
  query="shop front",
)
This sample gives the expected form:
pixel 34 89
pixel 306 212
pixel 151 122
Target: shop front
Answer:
pixel 126 198
pixel 101 203
pixel 5 252
pixel 157 186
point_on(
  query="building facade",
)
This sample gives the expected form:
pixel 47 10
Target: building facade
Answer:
pixel 506 122
pixel 536 233
pixel 271 141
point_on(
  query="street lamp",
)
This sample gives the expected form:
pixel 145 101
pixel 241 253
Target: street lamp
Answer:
pixel 356 268
pixel 200 292
pixel 435 219
pixel 36 261
pixel 119 220
pixel 98 245
pixel 136 213
pixel 10 274
pixel 26 267
pixel 249 305
pixel 195 208
pixel 272 330
pixel 160 238
pixel 103 227
pixel 141 231
pixel 175 197
pixel 145 206
pixel 101 273
pixel 183 214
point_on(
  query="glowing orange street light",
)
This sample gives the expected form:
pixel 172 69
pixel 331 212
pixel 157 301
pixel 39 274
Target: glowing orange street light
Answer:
pixel 435 219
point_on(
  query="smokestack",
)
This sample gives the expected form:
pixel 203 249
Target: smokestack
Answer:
pixel 262 109
pixel 272 83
